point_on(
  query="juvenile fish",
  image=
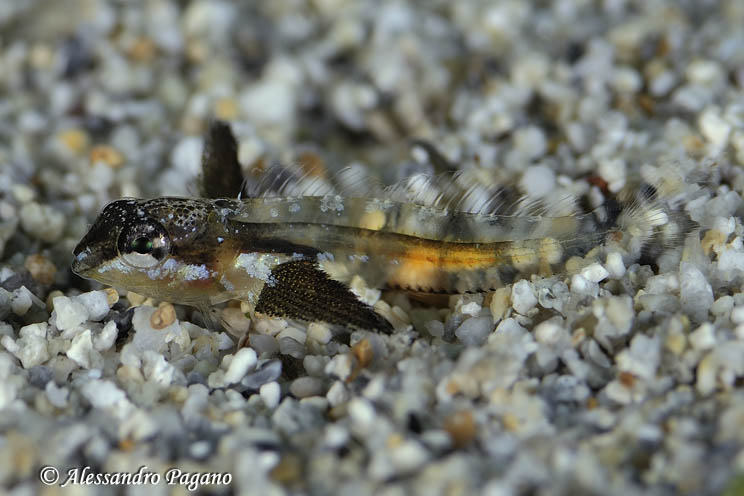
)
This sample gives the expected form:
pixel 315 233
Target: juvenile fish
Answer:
pixel 293 256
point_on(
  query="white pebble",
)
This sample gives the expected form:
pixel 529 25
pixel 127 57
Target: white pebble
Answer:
pixel 471 308
pixel 270 394
pixel 408 456
pixel 105 394
pixel 57 396
pixel 523 297
pixel 340 366
pixel 319 333
pixel 96 303
pixel 338 394
pixel 704 337
pixel 80 349
pixel 696 294
pixel 737 315
pixel 304 387
pixel 31 347
pixel 580 285
pixel 642 357
pixel 8 393
pixel 615 266
pixel 362 414
pixel 293 333
pixel 549 332
pixel 186 155
pixel 538 181
pixel 435 328
pixel 618 393
pixel 706 374
pixel 69 313
pixel 626 80
pixel 530 141
pixel 474 331
pixel 594 273
pixel 22 301
pixel 244 361
pixel 107 337
pixel 156 369
pixel 613 170
pixel 714 127
pixel 42 222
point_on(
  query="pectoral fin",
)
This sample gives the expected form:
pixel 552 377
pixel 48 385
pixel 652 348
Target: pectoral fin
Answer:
pixel 300 290
pixel 221 174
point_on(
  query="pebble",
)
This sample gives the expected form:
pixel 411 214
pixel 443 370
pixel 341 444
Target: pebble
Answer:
pixel 715 129
pixel 594 273
pixel 21 301
pixel 696 293
pixel 80 349
pixel 474 331
pixel 461 427
pixel 244 361
pixel 268 371
pixel 703 338
pixel 106 395
pixel 163 316
pixel 31 346
pixel 338 394
pixel 96 304
pixel 40 268
pixel 270 393
pixel 523 297
pixel 304 387
pixel 538 181
pixel 264 344
pixel 42 221
pixel 69 313
pixel 642 357
pixel 341 366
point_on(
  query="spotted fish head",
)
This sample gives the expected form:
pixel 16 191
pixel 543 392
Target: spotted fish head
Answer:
pixel 139 245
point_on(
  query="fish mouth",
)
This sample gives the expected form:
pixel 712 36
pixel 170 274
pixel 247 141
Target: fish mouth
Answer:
pixel 83 262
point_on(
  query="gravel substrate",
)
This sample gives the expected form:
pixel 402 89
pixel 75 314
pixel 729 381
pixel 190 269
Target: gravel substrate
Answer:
pixel 622 379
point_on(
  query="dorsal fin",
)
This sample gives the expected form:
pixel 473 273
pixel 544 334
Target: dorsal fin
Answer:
pixel 221 174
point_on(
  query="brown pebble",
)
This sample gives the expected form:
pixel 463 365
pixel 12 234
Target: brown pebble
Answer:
pixel 288 470
pixel 226 109
pixel 135 299
pixel 127 444
pixel 363 352
pixel 626 379
pixel 510 421
pixel 112 296
pixel 106 154
pixel 461 427
pixel 592 403
pixel 76 140
pixel 163 316
pixel 50 299
pixel 142 50
pixel 452 388
pixel 312 164
pixel 41 268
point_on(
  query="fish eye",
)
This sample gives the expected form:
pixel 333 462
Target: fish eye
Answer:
pixel 144 244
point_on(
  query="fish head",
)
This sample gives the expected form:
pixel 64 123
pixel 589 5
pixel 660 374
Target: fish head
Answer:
pixel 148 246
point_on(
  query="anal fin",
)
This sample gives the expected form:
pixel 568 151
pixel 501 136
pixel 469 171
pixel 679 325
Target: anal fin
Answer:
pixel 301 290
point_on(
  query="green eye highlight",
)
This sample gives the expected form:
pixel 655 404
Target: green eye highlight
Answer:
pixel 142 245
